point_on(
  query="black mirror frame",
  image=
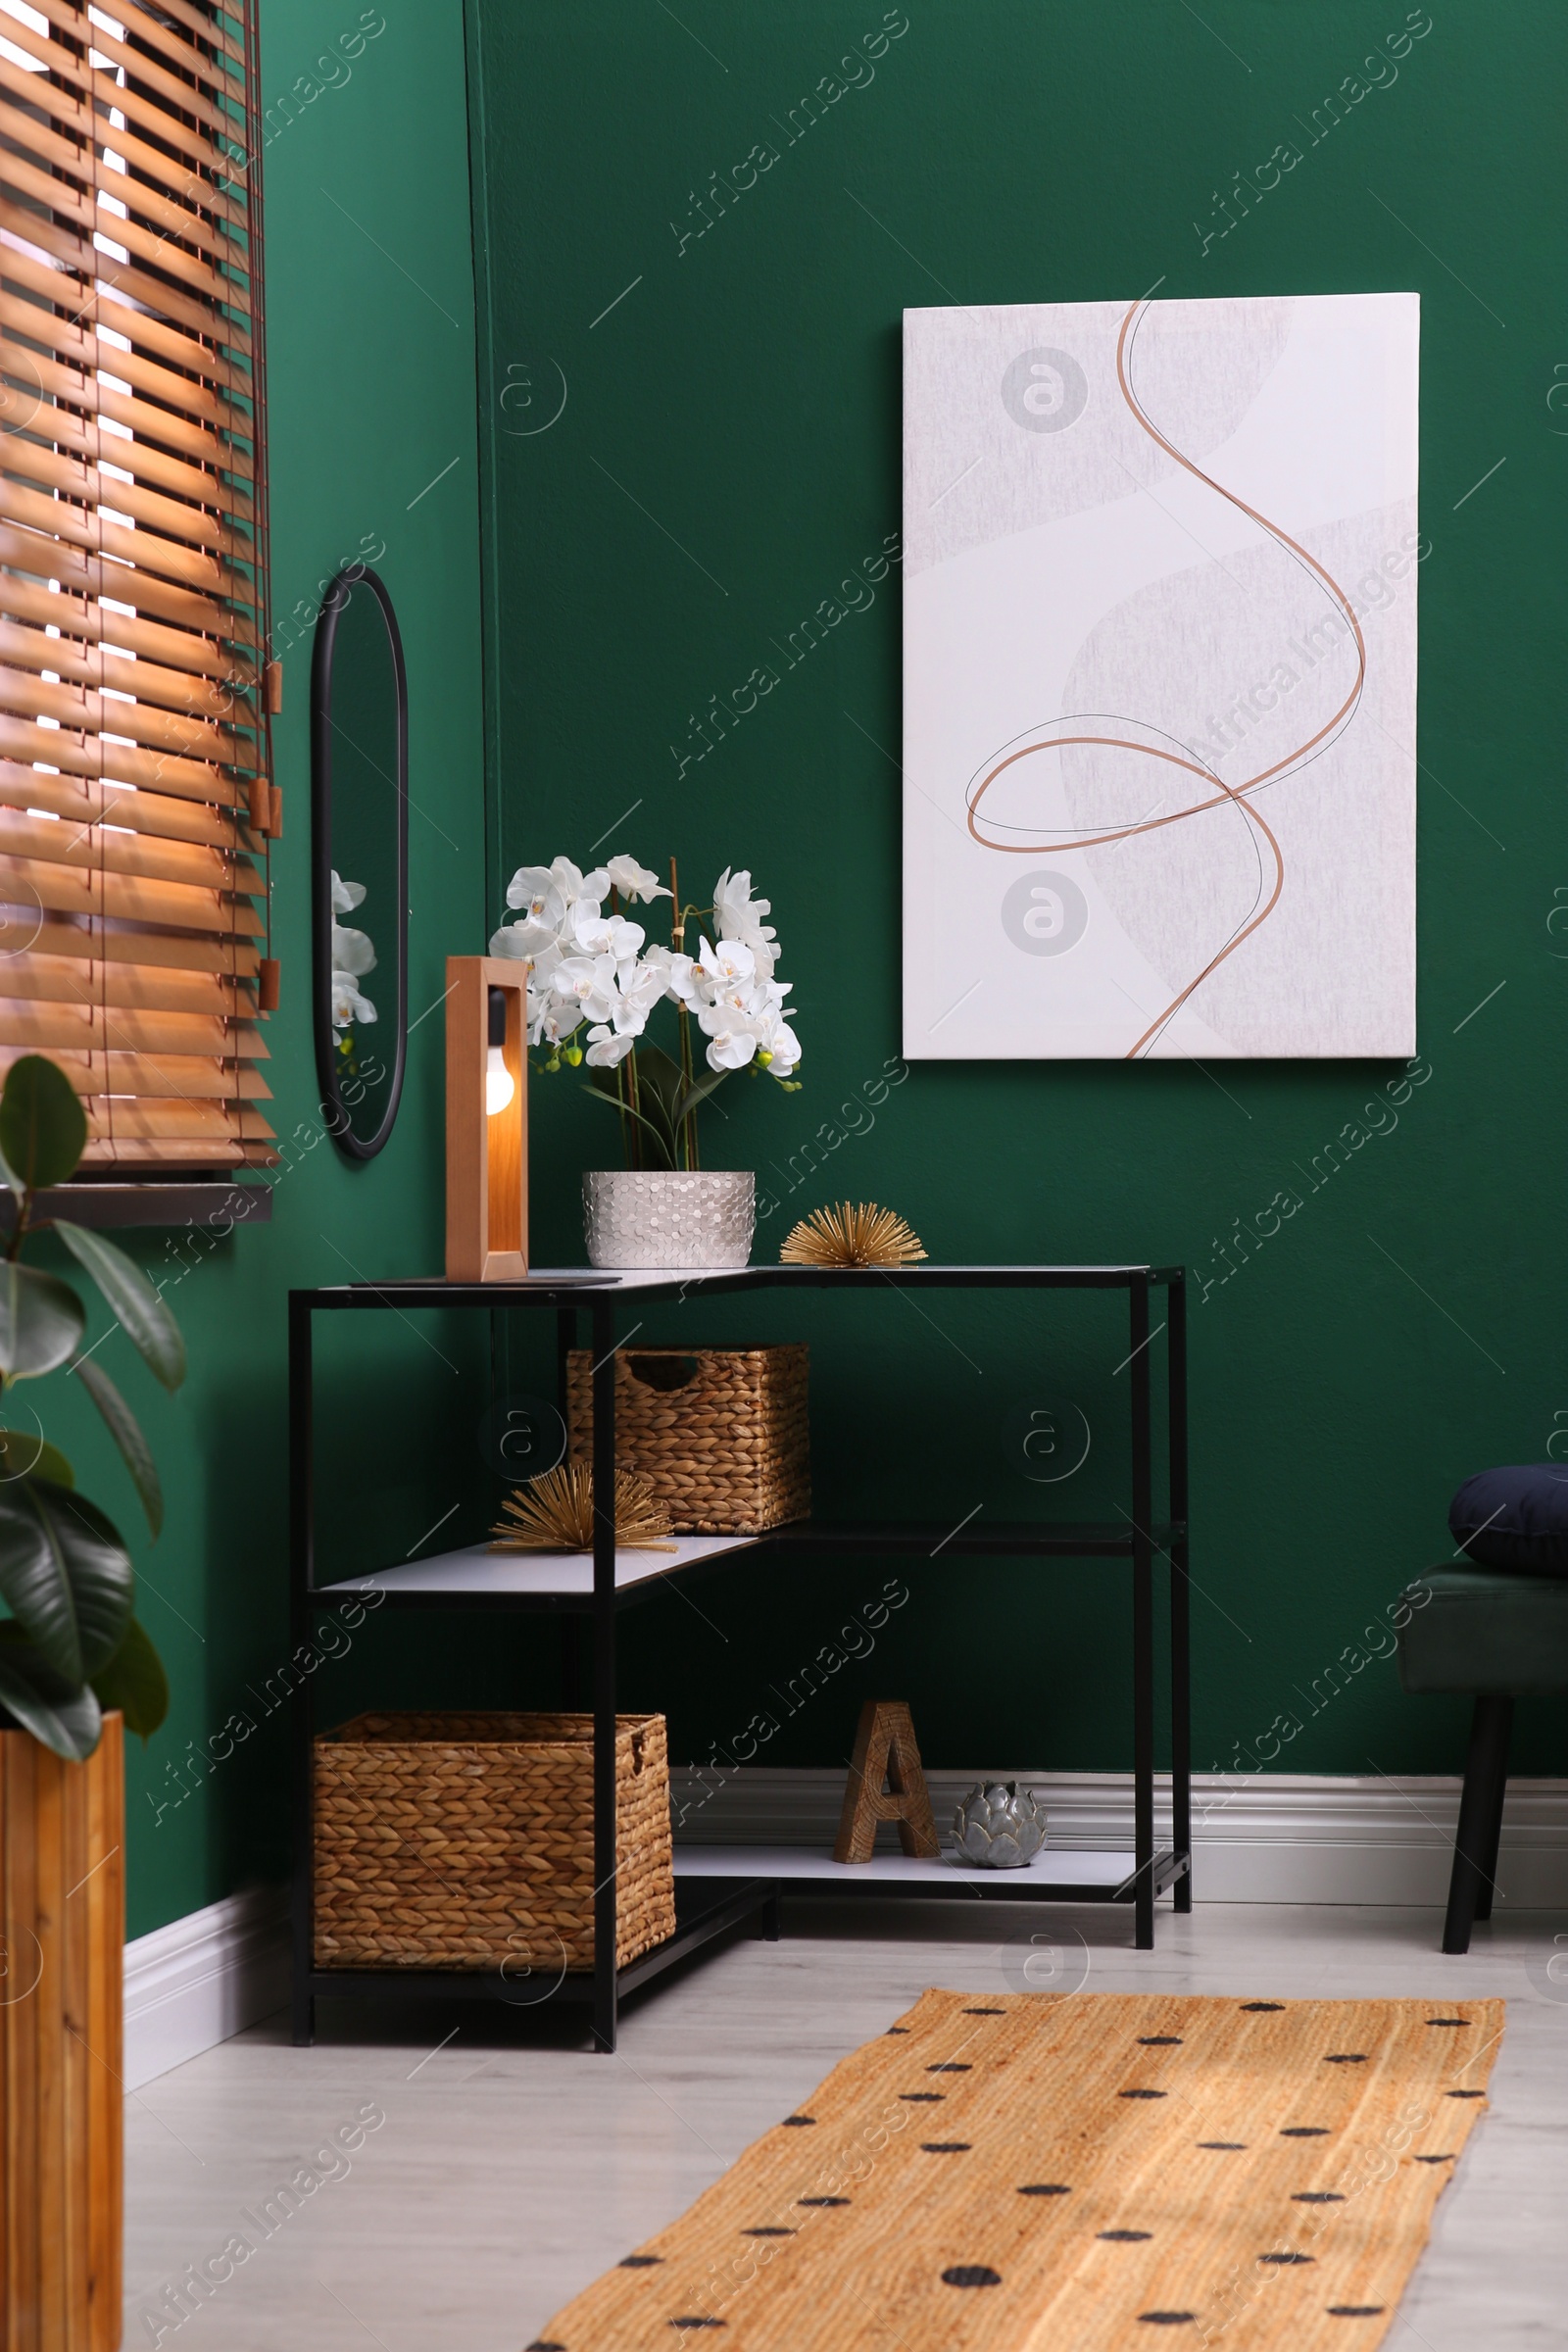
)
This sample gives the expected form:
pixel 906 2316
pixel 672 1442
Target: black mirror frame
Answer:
pixel 332 1102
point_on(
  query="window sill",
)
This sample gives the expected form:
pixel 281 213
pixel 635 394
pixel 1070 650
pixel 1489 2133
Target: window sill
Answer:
pixel 212 1206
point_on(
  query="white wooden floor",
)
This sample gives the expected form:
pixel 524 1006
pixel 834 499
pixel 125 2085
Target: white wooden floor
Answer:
pixel 511 2167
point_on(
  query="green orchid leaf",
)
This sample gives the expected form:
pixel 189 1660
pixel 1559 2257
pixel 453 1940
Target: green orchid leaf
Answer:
pixel 41 1321
pixel 700 1090
pixel 64 1716
pixel 23 1455
pixel 125 1431
pixel 135 1682
pixel 146 1321
pixel 43 1127
pixel 65 1575
pixel 601 1094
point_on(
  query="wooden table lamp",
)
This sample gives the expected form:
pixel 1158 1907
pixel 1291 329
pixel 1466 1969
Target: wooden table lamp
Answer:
pixel 487 1119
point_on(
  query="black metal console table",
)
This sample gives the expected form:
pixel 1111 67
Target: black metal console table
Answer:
pixel 716 1893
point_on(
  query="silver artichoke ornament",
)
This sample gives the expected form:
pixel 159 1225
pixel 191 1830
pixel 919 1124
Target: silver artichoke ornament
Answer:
pixel 999 1825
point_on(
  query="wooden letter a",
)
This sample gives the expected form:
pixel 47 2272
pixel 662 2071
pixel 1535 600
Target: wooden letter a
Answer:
pixel 884 1743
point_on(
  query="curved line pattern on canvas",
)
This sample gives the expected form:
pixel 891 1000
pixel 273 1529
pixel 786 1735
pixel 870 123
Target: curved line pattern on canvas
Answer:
pixel 1227 796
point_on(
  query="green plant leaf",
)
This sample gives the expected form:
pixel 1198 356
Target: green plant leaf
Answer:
pixel 65 1716
pixel 41 1321
pixel 135 1682
pixel 125 1431
pixel 601 1094
pixel 700 1090
pixel 65 1574
pixel 43 1127
pixel 23 1455
pixel 147 1322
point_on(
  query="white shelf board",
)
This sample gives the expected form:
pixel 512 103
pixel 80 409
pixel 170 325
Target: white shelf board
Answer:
pixel 478 1569
pixel 1069 1866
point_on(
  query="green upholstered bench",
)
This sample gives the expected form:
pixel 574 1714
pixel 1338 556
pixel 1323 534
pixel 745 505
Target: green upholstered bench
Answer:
pixel 1495 1639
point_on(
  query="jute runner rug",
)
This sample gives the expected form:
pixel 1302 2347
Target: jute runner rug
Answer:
pixel 1084 2173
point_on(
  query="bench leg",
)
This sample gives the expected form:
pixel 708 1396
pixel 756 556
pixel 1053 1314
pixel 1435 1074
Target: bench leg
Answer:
pixel 1475 1853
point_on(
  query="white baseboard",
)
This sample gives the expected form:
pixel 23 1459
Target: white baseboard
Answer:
pixel 191 1984
pixel 1275 1838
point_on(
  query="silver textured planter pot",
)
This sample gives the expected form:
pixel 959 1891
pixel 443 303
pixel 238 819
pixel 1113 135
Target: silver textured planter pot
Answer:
pixel 645 1217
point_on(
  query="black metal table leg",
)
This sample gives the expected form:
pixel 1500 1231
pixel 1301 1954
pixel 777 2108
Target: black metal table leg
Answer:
pixel 603 1623
pixel 1181 1652
pixel 1486 1776
pixel 1143 1613
pixel 301 1576
pixel 1492 1847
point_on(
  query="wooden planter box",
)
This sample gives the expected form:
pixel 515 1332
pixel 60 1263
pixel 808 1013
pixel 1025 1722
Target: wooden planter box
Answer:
pixel 468 1841
pixel 62 2057
pixel 720 1436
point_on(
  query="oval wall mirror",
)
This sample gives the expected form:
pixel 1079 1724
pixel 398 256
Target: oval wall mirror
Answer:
pixel 360 824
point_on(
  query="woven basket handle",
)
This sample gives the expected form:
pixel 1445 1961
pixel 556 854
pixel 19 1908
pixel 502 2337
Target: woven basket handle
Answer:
pixel 637 1739
pixel 663 1372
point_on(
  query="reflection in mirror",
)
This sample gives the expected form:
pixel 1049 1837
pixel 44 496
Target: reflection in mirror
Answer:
pixel 359 742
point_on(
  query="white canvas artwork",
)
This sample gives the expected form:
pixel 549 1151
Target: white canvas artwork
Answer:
pixel 1160 564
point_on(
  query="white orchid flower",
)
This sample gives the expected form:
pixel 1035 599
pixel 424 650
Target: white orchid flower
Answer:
pixel 676 974
pixel 351 952
pixel 592 980
pixel 599 934
pixel 551 1020
pixel 534 892
pixel 567 879
pixel 639 994
pixel 731 1038
pixel 604 1048
pixel 346 896
pixel 728 964
pixel 348 1006
pixel 776 1043
pixel 634 881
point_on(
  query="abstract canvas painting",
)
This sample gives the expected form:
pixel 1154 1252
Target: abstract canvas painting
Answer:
pixel 1160 564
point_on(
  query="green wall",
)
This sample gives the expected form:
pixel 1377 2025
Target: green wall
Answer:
pixel 372 357
pixel 727 453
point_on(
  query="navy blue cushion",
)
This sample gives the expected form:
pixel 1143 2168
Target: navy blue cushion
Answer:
pixel 1515 1519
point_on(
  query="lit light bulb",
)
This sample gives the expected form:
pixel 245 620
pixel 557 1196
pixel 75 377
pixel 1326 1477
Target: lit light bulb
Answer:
pixel 499 1086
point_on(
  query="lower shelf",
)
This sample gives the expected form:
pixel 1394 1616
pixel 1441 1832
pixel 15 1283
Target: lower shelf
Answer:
pixel 705 1907
pixel 1060 1874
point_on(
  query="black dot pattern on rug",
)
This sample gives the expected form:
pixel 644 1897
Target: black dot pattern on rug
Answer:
pixel 546 2343
pixel 1140 2095
pixel 1232 2147
pixel 1448 2021
pixel 1260 2005
pixel 1317 2196
pixel 800 2119
pixel 1160 2042
pixel 1346 2058
pixel 971 2274
pixel 1126 2237
pixel 951 2066
pixel 898 2029
pixel 1356 2311
pixel 821 2200
pixel 922 2098
pixel 1464 2094
pixel 698 2321
pixel 1045 2189
pixel 1288 2257
pixel 640 2262
pixel 945 2147
pixel 768 2229
pixel 985 2013
pixel 1303 2132
pixel 1166 2319
pixel 1434 2159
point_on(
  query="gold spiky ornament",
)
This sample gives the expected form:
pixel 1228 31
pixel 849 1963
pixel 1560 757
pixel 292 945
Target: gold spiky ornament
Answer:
pixel 862 1235
pixel 555 1512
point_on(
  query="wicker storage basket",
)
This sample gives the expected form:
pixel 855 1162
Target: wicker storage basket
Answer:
pixel 719 1434
pixel 467 1841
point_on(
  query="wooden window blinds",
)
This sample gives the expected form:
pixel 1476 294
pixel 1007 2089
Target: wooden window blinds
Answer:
pixel 136 808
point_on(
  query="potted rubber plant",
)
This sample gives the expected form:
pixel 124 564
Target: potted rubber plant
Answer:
pixel 591 967
pixel 75 1670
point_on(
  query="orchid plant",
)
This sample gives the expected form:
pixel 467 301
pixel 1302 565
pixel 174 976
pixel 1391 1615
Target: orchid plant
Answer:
pixel 589 964
pixel 353 956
